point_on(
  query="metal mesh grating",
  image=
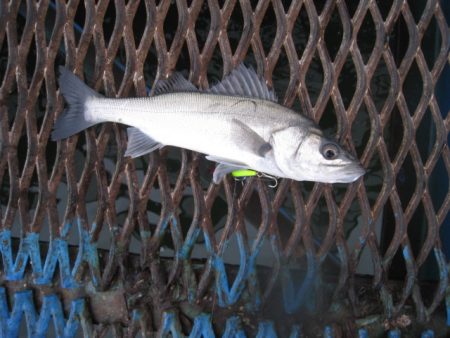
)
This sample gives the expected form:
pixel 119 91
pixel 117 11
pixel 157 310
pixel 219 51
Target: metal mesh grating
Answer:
pixel 81 185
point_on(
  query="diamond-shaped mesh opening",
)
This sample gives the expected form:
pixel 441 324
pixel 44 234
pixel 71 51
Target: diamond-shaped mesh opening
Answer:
pixel 431 43
pixel 320 220
pixel 347 81
pixel 412 88
pixel 328 121
pixel 406 181
pixel 417 230
pixel 170 22
pixel 31 60
pixel 314 79
pixel 49 23
pixel 281 75
pixel 215 67
pixel 268 29
pixel 361 130
pixel 80 21
pixel 373 180
pixel 21 11
pixel 366 37
pixel 417 8
pixel 301 31
pixel 399 40
pixel 139 21
pixel 380 85
pixel 393 133
pixel 333 34
pixel 436 184
pixel 319 5
pixel 202 25
pixel 184 60
pixel 235 27
pixel 385 8
pixel 426 136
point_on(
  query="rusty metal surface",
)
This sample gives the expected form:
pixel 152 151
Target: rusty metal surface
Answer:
pixel 30 102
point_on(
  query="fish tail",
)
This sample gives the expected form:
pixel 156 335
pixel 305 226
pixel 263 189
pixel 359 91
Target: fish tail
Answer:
pixel 76 116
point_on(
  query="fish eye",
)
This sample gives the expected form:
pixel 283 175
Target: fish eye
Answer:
pixel 330 151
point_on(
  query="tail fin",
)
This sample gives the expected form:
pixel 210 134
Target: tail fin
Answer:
pixel 76 93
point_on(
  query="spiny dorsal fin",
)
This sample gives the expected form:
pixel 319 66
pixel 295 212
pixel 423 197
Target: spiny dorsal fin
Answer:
pixel 244 81
pixel 175 83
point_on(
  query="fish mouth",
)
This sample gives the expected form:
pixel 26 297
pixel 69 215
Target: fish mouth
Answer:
pixel 353 172
pixel 347 173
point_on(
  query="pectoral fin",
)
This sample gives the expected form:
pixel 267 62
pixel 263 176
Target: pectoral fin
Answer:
pixel 249 140
pixel 139 143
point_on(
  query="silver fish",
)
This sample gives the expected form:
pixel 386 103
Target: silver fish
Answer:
pixel 237 123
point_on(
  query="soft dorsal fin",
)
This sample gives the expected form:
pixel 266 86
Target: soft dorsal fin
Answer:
pixel 244 81
pixel 175 83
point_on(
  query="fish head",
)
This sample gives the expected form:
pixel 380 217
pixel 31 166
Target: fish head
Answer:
pixel 305 154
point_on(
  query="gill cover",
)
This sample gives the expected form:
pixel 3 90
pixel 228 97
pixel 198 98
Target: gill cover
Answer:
pixel 286 144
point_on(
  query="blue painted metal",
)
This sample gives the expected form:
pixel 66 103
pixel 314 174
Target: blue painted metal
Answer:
pixel 170 324
pixel 233 328
pixel 266 330
pixel 294 297
pixel 394 333
pixel 228 296
pixel 427 334
pixel 202 327
pixel 28 249
pixel 328 332
pixel 362 333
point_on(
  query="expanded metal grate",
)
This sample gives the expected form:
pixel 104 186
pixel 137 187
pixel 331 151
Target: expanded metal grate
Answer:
pixel 239 258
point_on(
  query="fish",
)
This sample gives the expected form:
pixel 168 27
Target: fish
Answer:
pixel 237 123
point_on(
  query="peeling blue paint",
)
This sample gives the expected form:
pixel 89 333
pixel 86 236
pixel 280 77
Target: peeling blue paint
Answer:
pixel 407 254
pixel 294 298
pixel 226 295
pixel 23 305
pixel 87 252
pixel 328 332
pixel 51 307
pixel 28 250
pixel 233 328
pixel 189 243
pixel 394 333
pixel 170 324
pixel 296 332
pixel 38 323
pixel 77 308
pixel 362 333
pixel 58 252
pixel 202 327
pixel 427 334
pixel 266 330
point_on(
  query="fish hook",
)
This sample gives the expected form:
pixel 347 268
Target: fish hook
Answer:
pixel 270 177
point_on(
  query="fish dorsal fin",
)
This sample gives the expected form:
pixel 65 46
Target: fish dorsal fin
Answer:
pixel 244 81
pixel 175 83
pixel 139 143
